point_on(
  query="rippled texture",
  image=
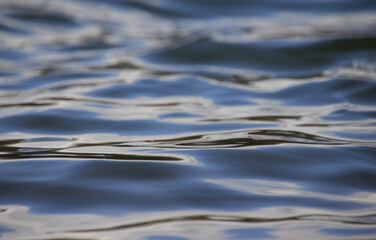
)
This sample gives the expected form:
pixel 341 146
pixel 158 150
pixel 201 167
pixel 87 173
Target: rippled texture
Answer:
pixel 187 119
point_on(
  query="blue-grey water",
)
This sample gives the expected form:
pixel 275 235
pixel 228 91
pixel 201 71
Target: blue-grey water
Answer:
pixel 187 119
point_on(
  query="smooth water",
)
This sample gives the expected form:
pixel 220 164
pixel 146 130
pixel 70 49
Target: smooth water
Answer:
pixel 187 119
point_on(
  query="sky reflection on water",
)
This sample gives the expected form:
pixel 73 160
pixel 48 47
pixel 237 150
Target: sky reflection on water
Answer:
pixel 186 119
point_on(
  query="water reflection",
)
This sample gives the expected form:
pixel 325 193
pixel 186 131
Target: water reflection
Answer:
pixel 277 188
pixel 187 119
pixel 279 222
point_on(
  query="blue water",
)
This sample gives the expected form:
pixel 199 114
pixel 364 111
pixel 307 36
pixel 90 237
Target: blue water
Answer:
pixel 187 119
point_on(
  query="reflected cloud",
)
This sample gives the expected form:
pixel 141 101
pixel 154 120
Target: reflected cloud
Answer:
pixel 286 189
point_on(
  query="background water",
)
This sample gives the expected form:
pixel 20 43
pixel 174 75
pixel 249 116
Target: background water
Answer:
pixel 187 119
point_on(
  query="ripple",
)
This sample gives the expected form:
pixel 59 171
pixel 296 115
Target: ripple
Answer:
pixel 64 148
pixel 38 16
pixel 153 88
pixel 204 223
pixel 281 58
pixel 211 9
pixel 341 90
pixel 37 82
pixel 245 139
pixel 265 187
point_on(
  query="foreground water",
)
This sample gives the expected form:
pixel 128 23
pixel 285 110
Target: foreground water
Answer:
pixel 187 119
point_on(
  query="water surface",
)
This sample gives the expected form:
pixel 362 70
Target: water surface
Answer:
pixel 187 119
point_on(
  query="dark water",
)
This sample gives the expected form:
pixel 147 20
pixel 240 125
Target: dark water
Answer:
pixel 187 119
